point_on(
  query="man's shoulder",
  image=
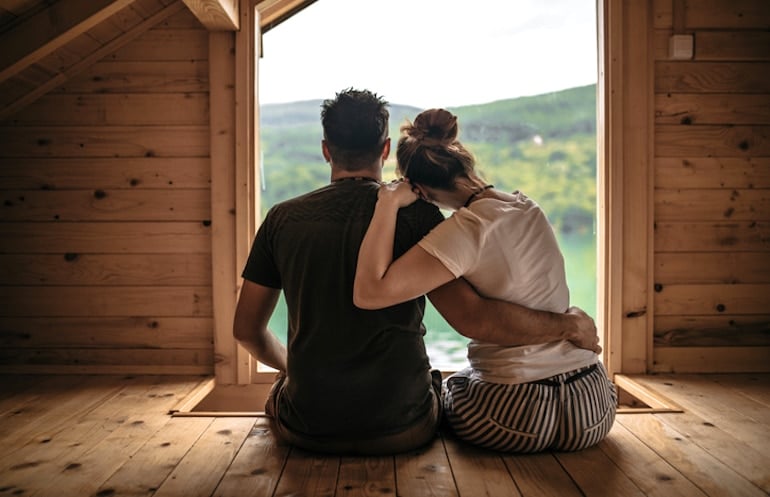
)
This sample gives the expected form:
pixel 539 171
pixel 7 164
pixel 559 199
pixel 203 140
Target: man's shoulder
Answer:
pixel 328 204
pixel 421 206
pixel 417 220
pixel 422 210
pixel 298 202
pixel 303 197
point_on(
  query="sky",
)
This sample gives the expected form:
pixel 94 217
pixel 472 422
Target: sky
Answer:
pixel 430 53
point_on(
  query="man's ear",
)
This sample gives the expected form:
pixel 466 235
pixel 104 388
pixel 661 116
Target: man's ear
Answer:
pixel 386 149
pixel 325 151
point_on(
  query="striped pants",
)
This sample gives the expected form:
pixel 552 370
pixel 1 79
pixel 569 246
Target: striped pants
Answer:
pixel 567 412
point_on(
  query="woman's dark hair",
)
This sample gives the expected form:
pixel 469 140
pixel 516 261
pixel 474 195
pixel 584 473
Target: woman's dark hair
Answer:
pixel 355 126
pixel 429 153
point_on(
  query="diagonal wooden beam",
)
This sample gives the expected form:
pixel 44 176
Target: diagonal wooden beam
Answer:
pixel 49 30
pixel 91 58
pixel 274 12
pixel 216 15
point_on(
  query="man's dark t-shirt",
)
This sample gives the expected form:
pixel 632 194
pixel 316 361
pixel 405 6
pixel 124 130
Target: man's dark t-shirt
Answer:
pixel 351 372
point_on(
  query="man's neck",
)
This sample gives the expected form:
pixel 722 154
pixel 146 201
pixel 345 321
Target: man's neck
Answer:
pixel 371 173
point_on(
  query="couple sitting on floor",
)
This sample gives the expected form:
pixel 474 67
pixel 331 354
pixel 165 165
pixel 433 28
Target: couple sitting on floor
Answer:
pixel 355 260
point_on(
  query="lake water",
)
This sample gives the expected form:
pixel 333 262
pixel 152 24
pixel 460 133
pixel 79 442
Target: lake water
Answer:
pixel 446 347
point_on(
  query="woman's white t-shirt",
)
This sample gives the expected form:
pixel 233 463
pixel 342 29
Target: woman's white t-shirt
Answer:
pixel 507 250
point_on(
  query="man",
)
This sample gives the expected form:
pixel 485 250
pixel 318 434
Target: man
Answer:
pixel 352 380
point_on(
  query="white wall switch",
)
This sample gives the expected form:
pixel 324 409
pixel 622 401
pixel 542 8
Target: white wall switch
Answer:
pixel 680 47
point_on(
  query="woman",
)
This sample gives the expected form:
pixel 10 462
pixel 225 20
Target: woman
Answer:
pixel 549 396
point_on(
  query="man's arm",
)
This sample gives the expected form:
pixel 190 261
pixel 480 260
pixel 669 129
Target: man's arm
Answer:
pixel 255 306
pixel 504 323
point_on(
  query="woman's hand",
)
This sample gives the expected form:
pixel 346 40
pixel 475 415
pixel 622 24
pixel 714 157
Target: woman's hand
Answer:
pixel 381 282
pixel 398 192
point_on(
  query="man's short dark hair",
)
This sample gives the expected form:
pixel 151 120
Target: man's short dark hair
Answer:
pixel 355 126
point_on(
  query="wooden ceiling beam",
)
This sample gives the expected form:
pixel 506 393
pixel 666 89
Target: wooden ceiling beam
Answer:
pixel 223 15
pixel 49 30
pixel 273 12
pixel 83 64
pixel 216 15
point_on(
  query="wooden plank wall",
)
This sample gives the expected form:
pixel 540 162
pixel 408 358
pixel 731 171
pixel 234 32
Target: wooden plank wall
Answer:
pixel 712 188
pixel 105 255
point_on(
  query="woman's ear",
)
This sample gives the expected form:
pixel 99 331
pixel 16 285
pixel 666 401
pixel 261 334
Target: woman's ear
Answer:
pixel 421 191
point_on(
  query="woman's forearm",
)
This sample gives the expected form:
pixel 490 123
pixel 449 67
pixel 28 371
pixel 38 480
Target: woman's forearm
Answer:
pixel 375 255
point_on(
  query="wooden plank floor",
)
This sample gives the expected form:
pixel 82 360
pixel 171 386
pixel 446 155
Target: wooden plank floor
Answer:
pixel 101 436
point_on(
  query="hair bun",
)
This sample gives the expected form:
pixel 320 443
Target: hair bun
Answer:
pixel 434 127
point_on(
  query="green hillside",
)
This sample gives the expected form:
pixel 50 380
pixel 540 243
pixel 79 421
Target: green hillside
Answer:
pixel 544 145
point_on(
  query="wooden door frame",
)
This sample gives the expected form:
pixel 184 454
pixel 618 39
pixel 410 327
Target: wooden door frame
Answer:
pixel 625 110
pixel 234 114
pixel 624 192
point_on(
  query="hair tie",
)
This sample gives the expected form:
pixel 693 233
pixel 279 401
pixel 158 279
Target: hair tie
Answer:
pixel 424 138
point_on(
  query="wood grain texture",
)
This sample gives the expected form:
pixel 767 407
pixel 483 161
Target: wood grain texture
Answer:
pixel 733 236
pixel 112 435
pixel 711 108
pixel 74 301
pixel 712 141
pixel 106 269
pixel 112 141
pixel 712 172
pixel 216 15
pixel 712 205
pixel 712 267
pixel 749 298
pixel 77 173
pixel 147 332
pixel 107 238
pixel 711 77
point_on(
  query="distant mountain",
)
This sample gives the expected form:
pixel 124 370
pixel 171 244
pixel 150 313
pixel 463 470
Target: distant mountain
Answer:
pixel 290 114
pixel 550 115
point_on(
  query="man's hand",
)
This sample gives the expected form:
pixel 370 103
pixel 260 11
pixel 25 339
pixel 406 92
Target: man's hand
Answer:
pixel 584 334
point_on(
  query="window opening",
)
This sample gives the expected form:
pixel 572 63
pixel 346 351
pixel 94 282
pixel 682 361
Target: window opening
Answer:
pixel 521 76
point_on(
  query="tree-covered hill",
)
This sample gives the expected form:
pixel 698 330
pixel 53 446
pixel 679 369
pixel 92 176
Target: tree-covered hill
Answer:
pixel 543 145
